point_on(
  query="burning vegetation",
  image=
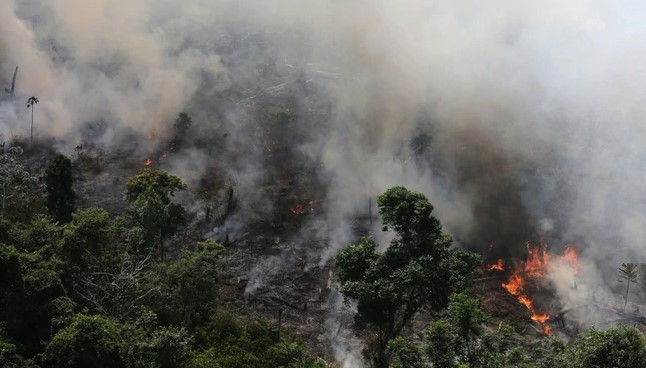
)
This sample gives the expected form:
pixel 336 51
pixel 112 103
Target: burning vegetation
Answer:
pixel 529 275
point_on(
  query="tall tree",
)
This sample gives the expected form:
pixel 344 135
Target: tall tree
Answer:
pixel 628 273
pixel 31 101
pixel 60 194
pixel 150 193
pixel 418 270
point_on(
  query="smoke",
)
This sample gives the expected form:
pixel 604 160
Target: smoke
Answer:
pixel 517 120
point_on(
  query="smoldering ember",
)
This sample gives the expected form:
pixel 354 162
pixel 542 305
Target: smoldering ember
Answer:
pixel 218 183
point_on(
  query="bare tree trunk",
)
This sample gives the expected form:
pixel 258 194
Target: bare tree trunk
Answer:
pixel 161 247
pixel 626 297
pixel 31 135
pixel 4 198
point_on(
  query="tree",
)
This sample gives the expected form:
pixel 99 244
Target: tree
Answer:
pixel 628 273
pixel 623 347
pixel 9 357
pixel 29 283
pixel 418 270
pixel 182 124
pixel 161 182
pixel 31 101
pixel 20 192
pixel 60 194
pixel 440 344
pixel 467 317
pixel 190 285
pixel 150 192
pixel 94 341
pixel 405 353
pixel 119 291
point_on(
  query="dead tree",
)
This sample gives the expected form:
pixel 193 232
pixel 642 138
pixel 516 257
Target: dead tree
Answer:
pixel 12 90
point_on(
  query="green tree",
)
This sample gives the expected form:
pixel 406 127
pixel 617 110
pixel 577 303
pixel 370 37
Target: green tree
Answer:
pixel 60 194
pixel 150 192
pixel 404 353
pixel 162 183
pixel 190 285
pixel 628 273
pixel 9 356
pixel 418 270
pixel 440 344
pixel 468 318
pixel 94 341
pixel 29 284
pixel 623 347
pixel 85 239
pixel 20 192
pixel 234 343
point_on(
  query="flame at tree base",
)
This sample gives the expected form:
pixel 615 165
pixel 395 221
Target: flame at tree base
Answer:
pixel 532 271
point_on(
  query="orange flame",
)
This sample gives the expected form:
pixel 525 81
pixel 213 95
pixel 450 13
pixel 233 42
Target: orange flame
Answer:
pixel 148 162
pixel 535 267
pixel 571 257
pixel 498 266
pixel 303 208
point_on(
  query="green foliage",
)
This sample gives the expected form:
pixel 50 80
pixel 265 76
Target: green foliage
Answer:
pixel 157 217
pixel 440 344
pixel 405 353
pixel 28 286
pixel 39 234
pixel 162 183
pixel 94 341
pixel 9 357
pixel 467 318
pixel 418 270
pixel 86 238
pixel 190 285
pixel 60 194
pixel 251 344
pixel 21 193
pixel 548 353
pixel 98 341
pixel 621 347
pixel 171 347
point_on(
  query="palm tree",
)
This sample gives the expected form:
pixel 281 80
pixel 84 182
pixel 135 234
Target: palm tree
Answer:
pixel 627 272
pixel 30 103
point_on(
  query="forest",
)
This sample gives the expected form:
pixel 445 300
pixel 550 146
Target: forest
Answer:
pixel 347 184
pixel 81 288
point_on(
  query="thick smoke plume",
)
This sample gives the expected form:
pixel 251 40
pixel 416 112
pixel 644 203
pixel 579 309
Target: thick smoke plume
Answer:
pixel 519 120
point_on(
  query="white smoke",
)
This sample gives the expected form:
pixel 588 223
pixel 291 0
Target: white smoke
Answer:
pixel 535 108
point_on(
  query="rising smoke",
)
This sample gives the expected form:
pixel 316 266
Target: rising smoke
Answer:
pixel 519 120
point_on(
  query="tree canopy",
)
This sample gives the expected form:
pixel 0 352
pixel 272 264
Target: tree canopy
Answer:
pixel 418 270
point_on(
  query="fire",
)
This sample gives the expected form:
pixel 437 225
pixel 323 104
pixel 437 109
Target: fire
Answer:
pixel 537 261
pixel 571 257
pixel 535 268
pixel 498 266
pixel 303 208
pixel 148 162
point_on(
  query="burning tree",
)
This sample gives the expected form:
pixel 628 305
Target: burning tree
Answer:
pixel 419 270
pixel 628 273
